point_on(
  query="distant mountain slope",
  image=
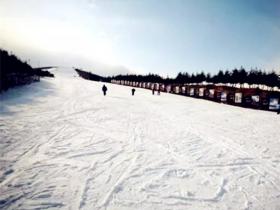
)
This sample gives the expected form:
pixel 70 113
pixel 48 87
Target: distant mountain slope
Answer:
pixel 91 76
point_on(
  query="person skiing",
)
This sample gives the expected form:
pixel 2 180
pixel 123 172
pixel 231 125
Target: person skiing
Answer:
pixel 104 89
pixel 153 91
pixel 133 91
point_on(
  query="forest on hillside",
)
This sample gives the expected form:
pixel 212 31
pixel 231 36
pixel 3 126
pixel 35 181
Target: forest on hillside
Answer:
pixel 14 71
pixel 235 76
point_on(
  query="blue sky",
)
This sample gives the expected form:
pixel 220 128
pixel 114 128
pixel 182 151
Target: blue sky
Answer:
pixel 164 37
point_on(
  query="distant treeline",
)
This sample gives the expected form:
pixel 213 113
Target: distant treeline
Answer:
pixel 142 78
pixel 91 76
pixel 236 76
pixel 14 72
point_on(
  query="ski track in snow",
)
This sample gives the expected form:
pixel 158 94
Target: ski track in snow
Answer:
pixel 63 145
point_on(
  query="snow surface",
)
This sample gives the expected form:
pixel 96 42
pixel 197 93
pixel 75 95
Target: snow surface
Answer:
pixel 63 145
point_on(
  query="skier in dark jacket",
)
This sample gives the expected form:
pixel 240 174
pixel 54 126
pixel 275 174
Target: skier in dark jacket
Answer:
pixel 133 91
pixel 153 91
pixel 104 89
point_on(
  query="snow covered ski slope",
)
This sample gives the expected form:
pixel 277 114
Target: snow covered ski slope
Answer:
pixel 63 145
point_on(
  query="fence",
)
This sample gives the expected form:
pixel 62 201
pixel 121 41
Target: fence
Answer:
pixel 16 79
pixel 244 97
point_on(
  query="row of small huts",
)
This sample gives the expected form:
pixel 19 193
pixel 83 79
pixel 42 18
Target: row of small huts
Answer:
pixel 245 97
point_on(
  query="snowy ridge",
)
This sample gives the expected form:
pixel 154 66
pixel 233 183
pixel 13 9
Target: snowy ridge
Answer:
pixel 69 147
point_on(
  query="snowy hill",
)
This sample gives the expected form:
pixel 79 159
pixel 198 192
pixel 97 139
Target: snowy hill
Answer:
pixel 63 145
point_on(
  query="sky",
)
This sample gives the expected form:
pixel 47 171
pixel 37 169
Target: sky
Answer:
pixel 109 37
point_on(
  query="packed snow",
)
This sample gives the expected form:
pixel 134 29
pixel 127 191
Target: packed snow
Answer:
pixel 63 145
